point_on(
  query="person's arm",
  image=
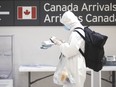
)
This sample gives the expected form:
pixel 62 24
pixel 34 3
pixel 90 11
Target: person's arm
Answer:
pixel 72 48
pixel 56 41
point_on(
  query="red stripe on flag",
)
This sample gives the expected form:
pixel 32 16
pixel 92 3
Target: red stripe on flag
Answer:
pixel 34 13
pixel 19 12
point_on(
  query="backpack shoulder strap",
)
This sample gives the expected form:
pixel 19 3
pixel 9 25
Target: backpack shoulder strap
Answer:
pixel 82 37
pixel 79 32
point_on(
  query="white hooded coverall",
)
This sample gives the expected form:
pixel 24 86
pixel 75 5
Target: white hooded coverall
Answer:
pixel 76 62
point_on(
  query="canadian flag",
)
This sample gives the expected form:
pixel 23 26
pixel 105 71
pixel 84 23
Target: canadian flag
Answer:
pixel 26 12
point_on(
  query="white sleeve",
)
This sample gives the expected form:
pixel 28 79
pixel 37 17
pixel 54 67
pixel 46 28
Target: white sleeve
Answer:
pixel 72 48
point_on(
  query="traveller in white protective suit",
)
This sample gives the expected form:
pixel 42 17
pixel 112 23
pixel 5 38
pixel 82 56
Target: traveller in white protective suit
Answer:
pixel 76 62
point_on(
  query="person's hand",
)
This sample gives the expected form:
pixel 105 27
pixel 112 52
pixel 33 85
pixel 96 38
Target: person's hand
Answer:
pixel 56 41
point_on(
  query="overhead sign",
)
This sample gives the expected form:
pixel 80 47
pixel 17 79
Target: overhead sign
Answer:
pixel 89 12
pixel 27 13
pixel 49 12
pixel 6 13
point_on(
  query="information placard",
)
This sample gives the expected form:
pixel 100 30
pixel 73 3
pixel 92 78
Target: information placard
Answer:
pixel 6 13
pixel 89 12
pixel 49 12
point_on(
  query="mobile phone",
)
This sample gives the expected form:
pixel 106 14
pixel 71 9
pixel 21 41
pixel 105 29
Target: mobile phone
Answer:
pixel 52 39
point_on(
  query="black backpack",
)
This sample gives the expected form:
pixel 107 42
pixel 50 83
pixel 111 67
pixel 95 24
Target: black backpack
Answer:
pixel 94 48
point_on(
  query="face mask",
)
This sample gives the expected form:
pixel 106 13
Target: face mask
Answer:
pixel 66 27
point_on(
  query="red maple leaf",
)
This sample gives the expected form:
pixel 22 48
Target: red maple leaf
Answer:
pixel 27 12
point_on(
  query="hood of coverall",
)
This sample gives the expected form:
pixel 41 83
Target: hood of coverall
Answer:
pixel 70 21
